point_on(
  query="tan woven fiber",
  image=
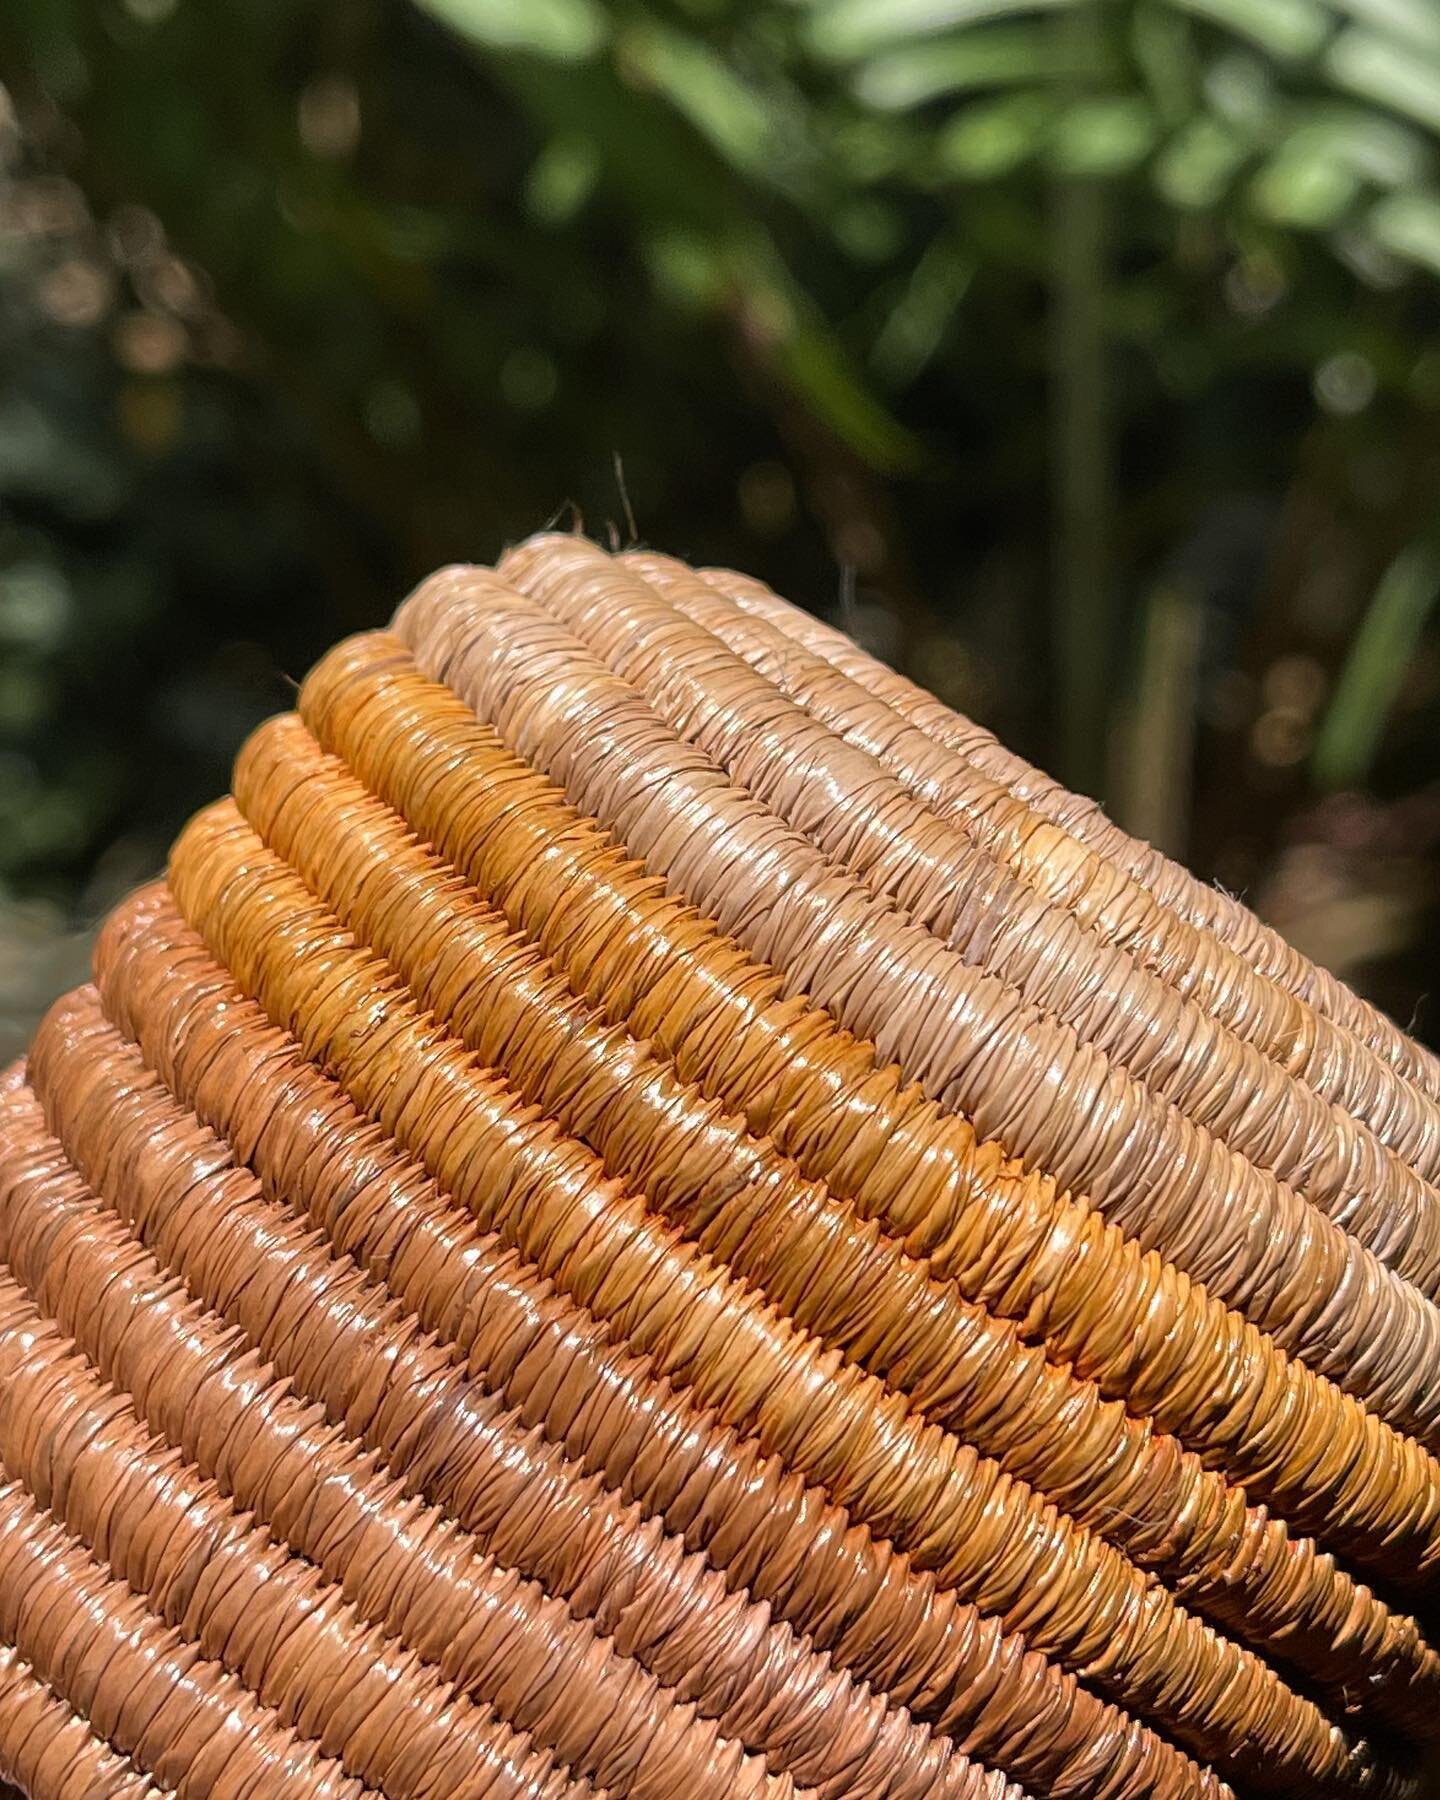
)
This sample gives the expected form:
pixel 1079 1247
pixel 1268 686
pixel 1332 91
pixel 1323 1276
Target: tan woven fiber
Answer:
pixel 1110 904
pixel 844 803
pixel 223 1221
pixel 812 1255
pixel 1012 1242
pixel 765 1529
pixel 51 1752
pixel 137 1682
pixel 967 1038
pixel 1174 887
pixel 953 1511
pixel 238 1591
pixel 645 1213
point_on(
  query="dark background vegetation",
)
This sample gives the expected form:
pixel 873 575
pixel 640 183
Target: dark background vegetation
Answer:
pixel 1082 358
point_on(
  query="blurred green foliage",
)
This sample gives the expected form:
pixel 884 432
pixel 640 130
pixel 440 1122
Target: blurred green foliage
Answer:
pixel 1082 356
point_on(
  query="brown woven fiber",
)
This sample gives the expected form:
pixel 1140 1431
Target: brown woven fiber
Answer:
pixel 647 1213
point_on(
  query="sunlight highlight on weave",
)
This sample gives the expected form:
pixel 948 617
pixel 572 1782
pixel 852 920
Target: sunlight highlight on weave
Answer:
pixel 648 1213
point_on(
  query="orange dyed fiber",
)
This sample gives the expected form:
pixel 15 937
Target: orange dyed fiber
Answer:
pixel 648 1212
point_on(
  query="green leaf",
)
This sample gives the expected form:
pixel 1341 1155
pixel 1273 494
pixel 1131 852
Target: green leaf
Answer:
pixel 1418 20
pixel 812 364
pixel 789 331
pixel 744 277
pixel 1377 665
pixel 1165 56
pixel 993 56
pixel 1241 89
pixel 1316 172
pixel 1286 28
pixel 1199 164
pixel 705 90
pixel 850 29
pixel 869 147
pixel 917 323
pixel 1102 136
pixel 563 30
pixel 686 268
pixel 1397 75
pixel 1375 148
pixel 562 179
pixel 1408 225
pixel 992 137
pixel 1304 185
pixel 869 230
pixel 651 159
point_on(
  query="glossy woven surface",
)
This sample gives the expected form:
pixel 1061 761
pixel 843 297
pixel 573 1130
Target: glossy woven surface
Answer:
pixel 646 1212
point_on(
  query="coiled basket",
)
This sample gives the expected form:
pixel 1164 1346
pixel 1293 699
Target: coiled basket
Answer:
pixel 648 1213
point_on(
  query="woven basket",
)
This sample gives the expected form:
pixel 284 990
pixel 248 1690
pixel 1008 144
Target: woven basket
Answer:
pixel 647 1212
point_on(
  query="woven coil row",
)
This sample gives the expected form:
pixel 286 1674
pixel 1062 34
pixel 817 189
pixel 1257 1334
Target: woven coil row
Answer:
pixel 647 1212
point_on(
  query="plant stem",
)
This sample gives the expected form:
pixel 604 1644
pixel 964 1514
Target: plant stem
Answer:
pixel 1083 628
pixel 1153 780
